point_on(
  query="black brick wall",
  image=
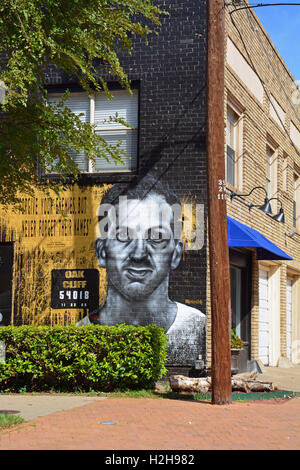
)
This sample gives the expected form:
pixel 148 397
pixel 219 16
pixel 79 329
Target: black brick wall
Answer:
pixel 171 73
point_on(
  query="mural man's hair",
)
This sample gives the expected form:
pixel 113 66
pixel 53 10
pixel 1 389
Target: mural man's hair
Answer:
pixel 148 185
pixel 140 190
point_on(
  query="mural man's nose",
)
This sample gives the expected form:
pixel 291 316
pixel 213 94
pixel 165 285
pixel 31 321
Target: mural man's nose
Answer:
pixel 139 250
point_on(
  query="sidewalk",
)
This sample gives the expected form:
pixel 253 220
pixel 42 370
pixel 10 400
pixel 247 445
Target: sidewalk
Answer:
pixel 285 378
pixel 32 406
pixel 156 423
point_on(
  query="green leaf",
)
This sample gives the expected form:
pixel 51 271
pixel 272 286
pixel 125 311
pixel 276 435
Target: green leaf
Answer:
pixel 34 35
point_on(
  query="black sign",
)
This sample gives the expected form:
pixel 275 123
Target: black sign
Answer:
pixel 6 274
pixel 75 288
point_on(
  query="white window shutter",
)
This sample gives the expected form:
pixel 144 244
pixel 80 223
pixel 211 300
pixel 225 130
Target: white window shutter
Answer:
pixel 78 103
pixel 123 104
pixel 126 106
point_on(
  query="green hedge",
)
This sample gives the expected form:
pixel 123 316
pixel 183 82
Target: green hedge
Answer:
pixel 82 358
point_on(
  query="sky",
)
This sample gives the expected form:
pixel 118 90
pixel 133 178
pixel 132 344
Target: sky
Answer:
pixel 282 23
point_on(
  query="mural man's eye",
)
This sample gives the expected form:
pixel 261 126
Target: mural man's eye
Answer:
pixel 156 236
pixel 123 234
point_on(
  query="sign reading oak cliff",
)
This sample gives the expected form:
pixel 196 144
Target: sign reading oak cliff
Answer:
pixel 75 288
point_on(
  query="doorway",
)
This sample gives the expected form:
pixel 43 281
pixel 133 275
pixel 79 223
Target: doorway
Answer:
pixel 236 298
pixel 289 319
pixel 264 317
pixel 269 318
pixel 240 290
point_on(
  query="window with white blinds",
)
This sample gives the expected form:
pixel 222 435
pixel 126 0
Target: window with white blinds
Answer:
pixel 271 171
pixel 231 139
pixel 296 201
pixel 234 145
pixel 97 109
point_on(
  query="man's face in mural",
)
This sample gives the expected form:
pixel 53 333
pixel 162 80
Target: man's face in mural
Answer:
pixel 140 249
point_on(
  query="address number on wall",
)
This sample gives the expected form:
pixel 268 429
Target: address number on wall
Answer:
pixel 75 288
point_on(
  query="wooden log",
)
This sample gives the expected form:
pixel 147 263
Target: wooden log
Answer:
pixel 247 386
pixel 242 382
pixel 246 375
pixel 180 383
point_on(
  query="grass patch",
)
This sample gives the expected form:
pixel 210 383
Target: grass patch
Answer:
pixel 117 393
pixel 161 390
pixel 166 392
pixel 134 394
pixel 7 420
pixel 252 396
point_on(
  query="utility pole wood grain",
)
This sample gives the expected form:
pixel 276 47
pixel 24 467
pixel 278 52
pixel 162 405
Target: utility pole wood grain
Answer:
pixel 217 222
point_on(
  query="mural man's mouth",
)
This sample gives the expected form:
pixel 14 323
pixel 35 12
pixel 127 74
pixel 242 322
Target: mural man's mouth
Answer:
pixel 138 273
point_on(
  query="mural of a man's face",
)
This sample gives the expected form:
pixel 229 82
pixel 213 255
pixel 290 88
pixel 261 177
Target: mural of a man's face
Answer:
pixel 139 257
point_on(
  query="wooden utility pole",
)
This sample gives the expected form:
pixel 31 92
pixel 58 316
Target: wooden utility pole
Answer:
pixel 217 222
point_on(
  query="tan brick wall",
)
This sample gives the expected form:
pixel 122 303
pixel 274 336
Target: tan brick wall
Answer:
pixel 259 128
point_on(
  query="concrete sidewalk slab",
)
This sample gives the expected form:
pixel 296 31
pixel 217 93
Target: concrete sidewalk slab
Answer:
pixel 33 406
pixel 284 378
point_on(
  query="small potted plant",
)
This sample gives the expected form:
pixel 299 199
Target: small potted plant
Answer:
pixel 236 342
pixel 238 354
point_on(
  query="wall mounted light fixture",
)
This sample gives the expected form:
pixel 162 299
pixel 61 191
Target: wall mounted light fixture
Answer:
pixel 280 216
pixel 291 233
pixel 265 207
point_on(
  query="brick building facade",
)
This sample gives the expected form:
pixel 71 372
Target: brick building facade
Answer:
pixel 49 255
pixel 46 256
pixel 262 147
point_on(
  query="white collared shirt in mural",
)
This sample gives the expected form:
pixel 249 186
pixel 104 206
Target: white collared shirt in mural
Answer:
pixel 186 335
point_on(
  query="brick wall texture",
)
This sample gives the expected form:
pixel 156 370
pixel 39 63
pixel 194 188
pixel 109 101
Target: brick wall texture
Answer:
pixel 170 74
pixel 259 128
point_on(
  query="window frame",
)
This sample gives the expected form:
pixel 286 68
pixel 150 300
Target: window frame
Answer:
pixel 271 173
pixel 285 171
pixel 231 133
pixel 237 125
pixel 94 177
pixel 269 161
pixel 296 199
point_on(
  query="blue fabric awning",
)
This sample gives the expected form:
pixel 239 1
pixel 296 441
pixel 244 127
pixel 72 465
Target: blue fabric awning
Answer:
pixel 242 235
